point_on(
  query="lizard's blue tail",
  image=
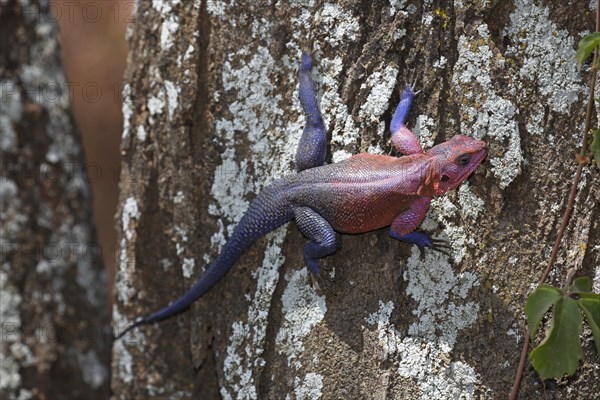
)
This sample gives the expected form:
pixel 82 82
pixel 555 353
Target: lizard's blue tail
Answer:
pixel 267 212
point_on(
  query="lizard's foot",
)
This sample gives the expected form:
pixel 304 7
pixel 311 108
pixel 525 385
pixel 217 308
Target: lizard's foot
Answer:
pixel 422 240
pixel 322 284
pixel 440 245
pixel 415 75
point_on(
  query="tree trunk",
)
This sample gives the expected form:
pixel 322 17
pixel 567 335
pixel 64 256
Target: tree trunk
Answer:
pixel 212 116
pixel 52 282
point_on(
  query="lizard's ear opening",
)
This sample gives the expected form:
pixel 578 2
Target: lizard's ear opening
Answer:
pixel 442 184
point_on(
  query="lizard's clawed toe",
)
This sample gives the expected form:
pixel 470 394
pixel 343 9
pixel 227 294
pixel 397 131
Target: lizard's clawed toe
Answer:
pixel 314 282
pixel 439 245
pixel 442 250
pixel 415 75
pixel 322 284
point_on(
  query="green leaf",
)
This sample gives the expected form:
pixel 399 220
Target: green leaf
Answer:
pixel 596 147
pixel 581 284
pixel 538 304
pixel 590 304
pixel 560 352
pixel 586 46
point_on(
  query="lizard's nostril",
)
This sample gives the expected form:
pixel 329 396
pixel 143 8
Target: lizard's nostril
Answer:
pixel 445 178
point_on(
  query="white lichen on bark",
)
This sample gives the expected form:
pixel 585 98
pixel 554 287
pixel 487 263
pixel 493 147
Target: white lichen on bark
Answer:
pixel 424 361
pixel 486 114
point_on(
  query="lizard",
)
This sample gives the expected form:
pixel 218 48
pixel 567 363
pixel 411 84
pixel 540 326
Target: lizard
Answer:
pixel 360 194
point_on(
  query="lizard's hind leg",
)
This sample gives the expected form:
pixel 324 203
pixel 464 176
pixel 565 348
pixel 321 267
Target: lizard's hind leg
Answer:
pixel 312 148
pixel 320 234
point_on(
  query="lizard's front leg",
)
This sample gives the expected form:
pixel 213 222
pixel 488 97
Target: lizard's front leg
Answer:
pixel 404 225
pixel 312 148
pixel 403 139
pixel 321 235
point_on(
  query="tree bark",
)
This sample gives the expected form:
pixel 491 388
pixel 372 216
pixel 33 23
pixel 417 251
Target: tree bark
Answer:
pixel 212 116
pixel 52 282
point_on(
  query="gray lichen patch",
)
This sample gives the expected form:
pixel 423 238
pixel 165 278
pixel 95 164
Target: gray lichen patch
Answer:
pixel 303 309
pixel 10 114
pixel 546 54
pixel 484 112
pixel 423 365
pixel 12 214
pixel 10 300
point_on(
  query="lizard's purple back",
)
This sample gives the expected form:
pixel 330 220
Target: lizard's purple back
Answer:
pixel 360 194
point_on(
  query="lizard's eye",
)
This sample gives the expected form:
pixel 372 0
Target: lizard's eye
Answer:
pixel 445 178
pixel 464 159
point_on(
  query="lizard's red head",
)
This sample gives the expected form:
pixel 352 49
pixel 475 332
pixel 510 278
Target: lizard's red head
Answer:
pixel 453 161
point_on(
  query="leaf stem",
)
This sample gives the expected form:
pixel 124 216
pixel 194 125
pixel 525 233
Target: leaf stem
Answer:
pixel 582 161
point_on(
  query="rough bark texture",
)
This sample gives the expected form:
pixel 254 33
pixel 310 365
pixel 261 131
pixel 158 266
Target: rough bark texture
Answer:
pixel 212 115
pixel 52 282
